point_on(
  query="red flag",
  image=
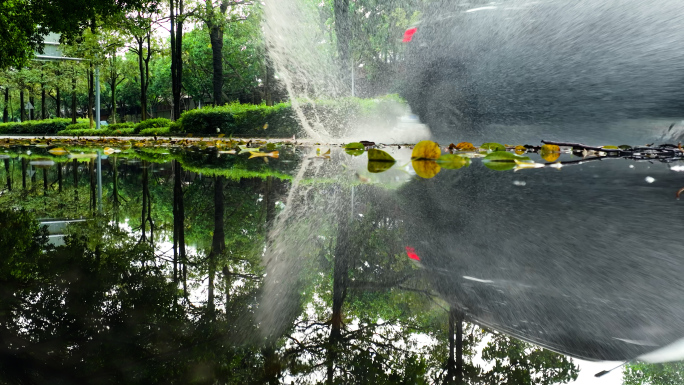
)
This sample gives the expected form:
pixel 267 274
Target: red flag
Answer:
pixel 411 252
pixel 408 35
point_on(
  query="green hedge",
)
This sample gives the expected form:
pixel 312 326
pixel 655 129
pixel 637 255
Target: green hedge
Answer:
pixel 153 131
pixel 152 123
pixel 36 127
pixel 280 120
pixel 239 120
pixel 105 131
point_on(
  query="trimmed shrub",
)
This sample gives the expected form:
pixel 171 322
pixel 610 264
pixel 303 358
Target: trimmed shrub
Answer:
pixel 118 126
pixel 280 121
pixel 96 132
pixel 155 131
pixel 78 126
pixel 36 127
pixel 152 123
pixel 239 120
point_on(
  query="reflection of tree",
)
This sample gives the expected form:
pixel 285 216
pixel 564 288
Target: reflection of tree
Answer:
pixel 640 373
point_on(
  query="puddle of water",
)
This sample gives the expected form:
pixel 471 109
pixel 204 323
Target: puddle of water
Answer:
pixel 207 266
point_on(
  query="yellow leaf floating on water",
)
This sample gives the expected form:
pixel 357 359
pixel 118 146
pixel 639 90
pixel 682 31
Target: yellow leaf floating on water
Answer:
pixel 550 148
pixel 520 150
pixel 426 149
pixel 425 168
pixel 265 126
pixel 550 156
pixel 58 151
pixel 110 151
pixel 272 154
pixel 611 147
pixel 465 146
pixel 550 152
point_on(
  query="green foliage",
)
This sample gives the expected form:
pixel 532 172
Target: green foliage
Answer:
pixel 241 120
pixel 83 130
pixel 35 127
pixel 279 120
pixel 152 123
pixel 78 126
pixel 517 362
pixel 153 131
pixel 641 373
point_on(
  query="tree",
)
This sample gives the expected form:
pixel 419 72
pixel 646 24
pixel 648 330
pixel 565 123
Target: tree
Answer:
pixel 25 23
pixel 641 373
pixel 177 18
pixel 215 16
pixel 140 27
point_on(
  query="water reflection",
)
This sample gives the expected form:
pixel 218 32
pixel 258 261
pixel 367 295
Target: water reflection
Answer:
pixel 207 268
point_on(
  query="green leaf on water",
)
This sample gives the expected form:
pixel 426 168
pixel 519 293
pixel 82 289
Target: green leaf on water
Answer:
pixel 493 146
pixel 376 167
pixel 379 161
pixel 453 161
pixel 375 155
pixel 354 149
pixel 503 160
pixel 505 157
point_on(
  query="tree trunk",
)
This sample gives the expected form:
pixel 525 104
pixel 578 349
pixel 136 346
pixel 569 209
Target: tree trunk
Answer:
pixel 5 114
pixel 91 96
pixel 73 100
pixel 42 102
pixel 58 102
pixel 75 171
pixel 145 203
pixel 93 196
pixel 22 105
pixel 143 80
pixel 218 242
pixel 45 181
pixel 344 34
pixel 216 37
pixel 23 173
pixel 176 56
pixel 455 363
pixel 179 221
pixel 9 175
pixel 59 176
pixel 31 112
pixel 340 282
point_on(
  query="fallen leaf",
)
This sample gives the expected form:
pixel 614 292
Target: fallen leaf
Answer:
pixel 221 135
pixel 520 150
pixel 379 166
pixel 273 154
pixel 425 168
pixel 465 146
pixel 550 148
pixel 376 155
pixel 550 156
pixel 453 161
pixel 426 149
pixel 58 151
pixel 354 149
pixel 493 146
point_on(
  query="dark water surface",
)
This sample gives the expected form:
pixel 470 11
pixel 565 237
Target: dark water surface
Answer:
pixel 192 266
